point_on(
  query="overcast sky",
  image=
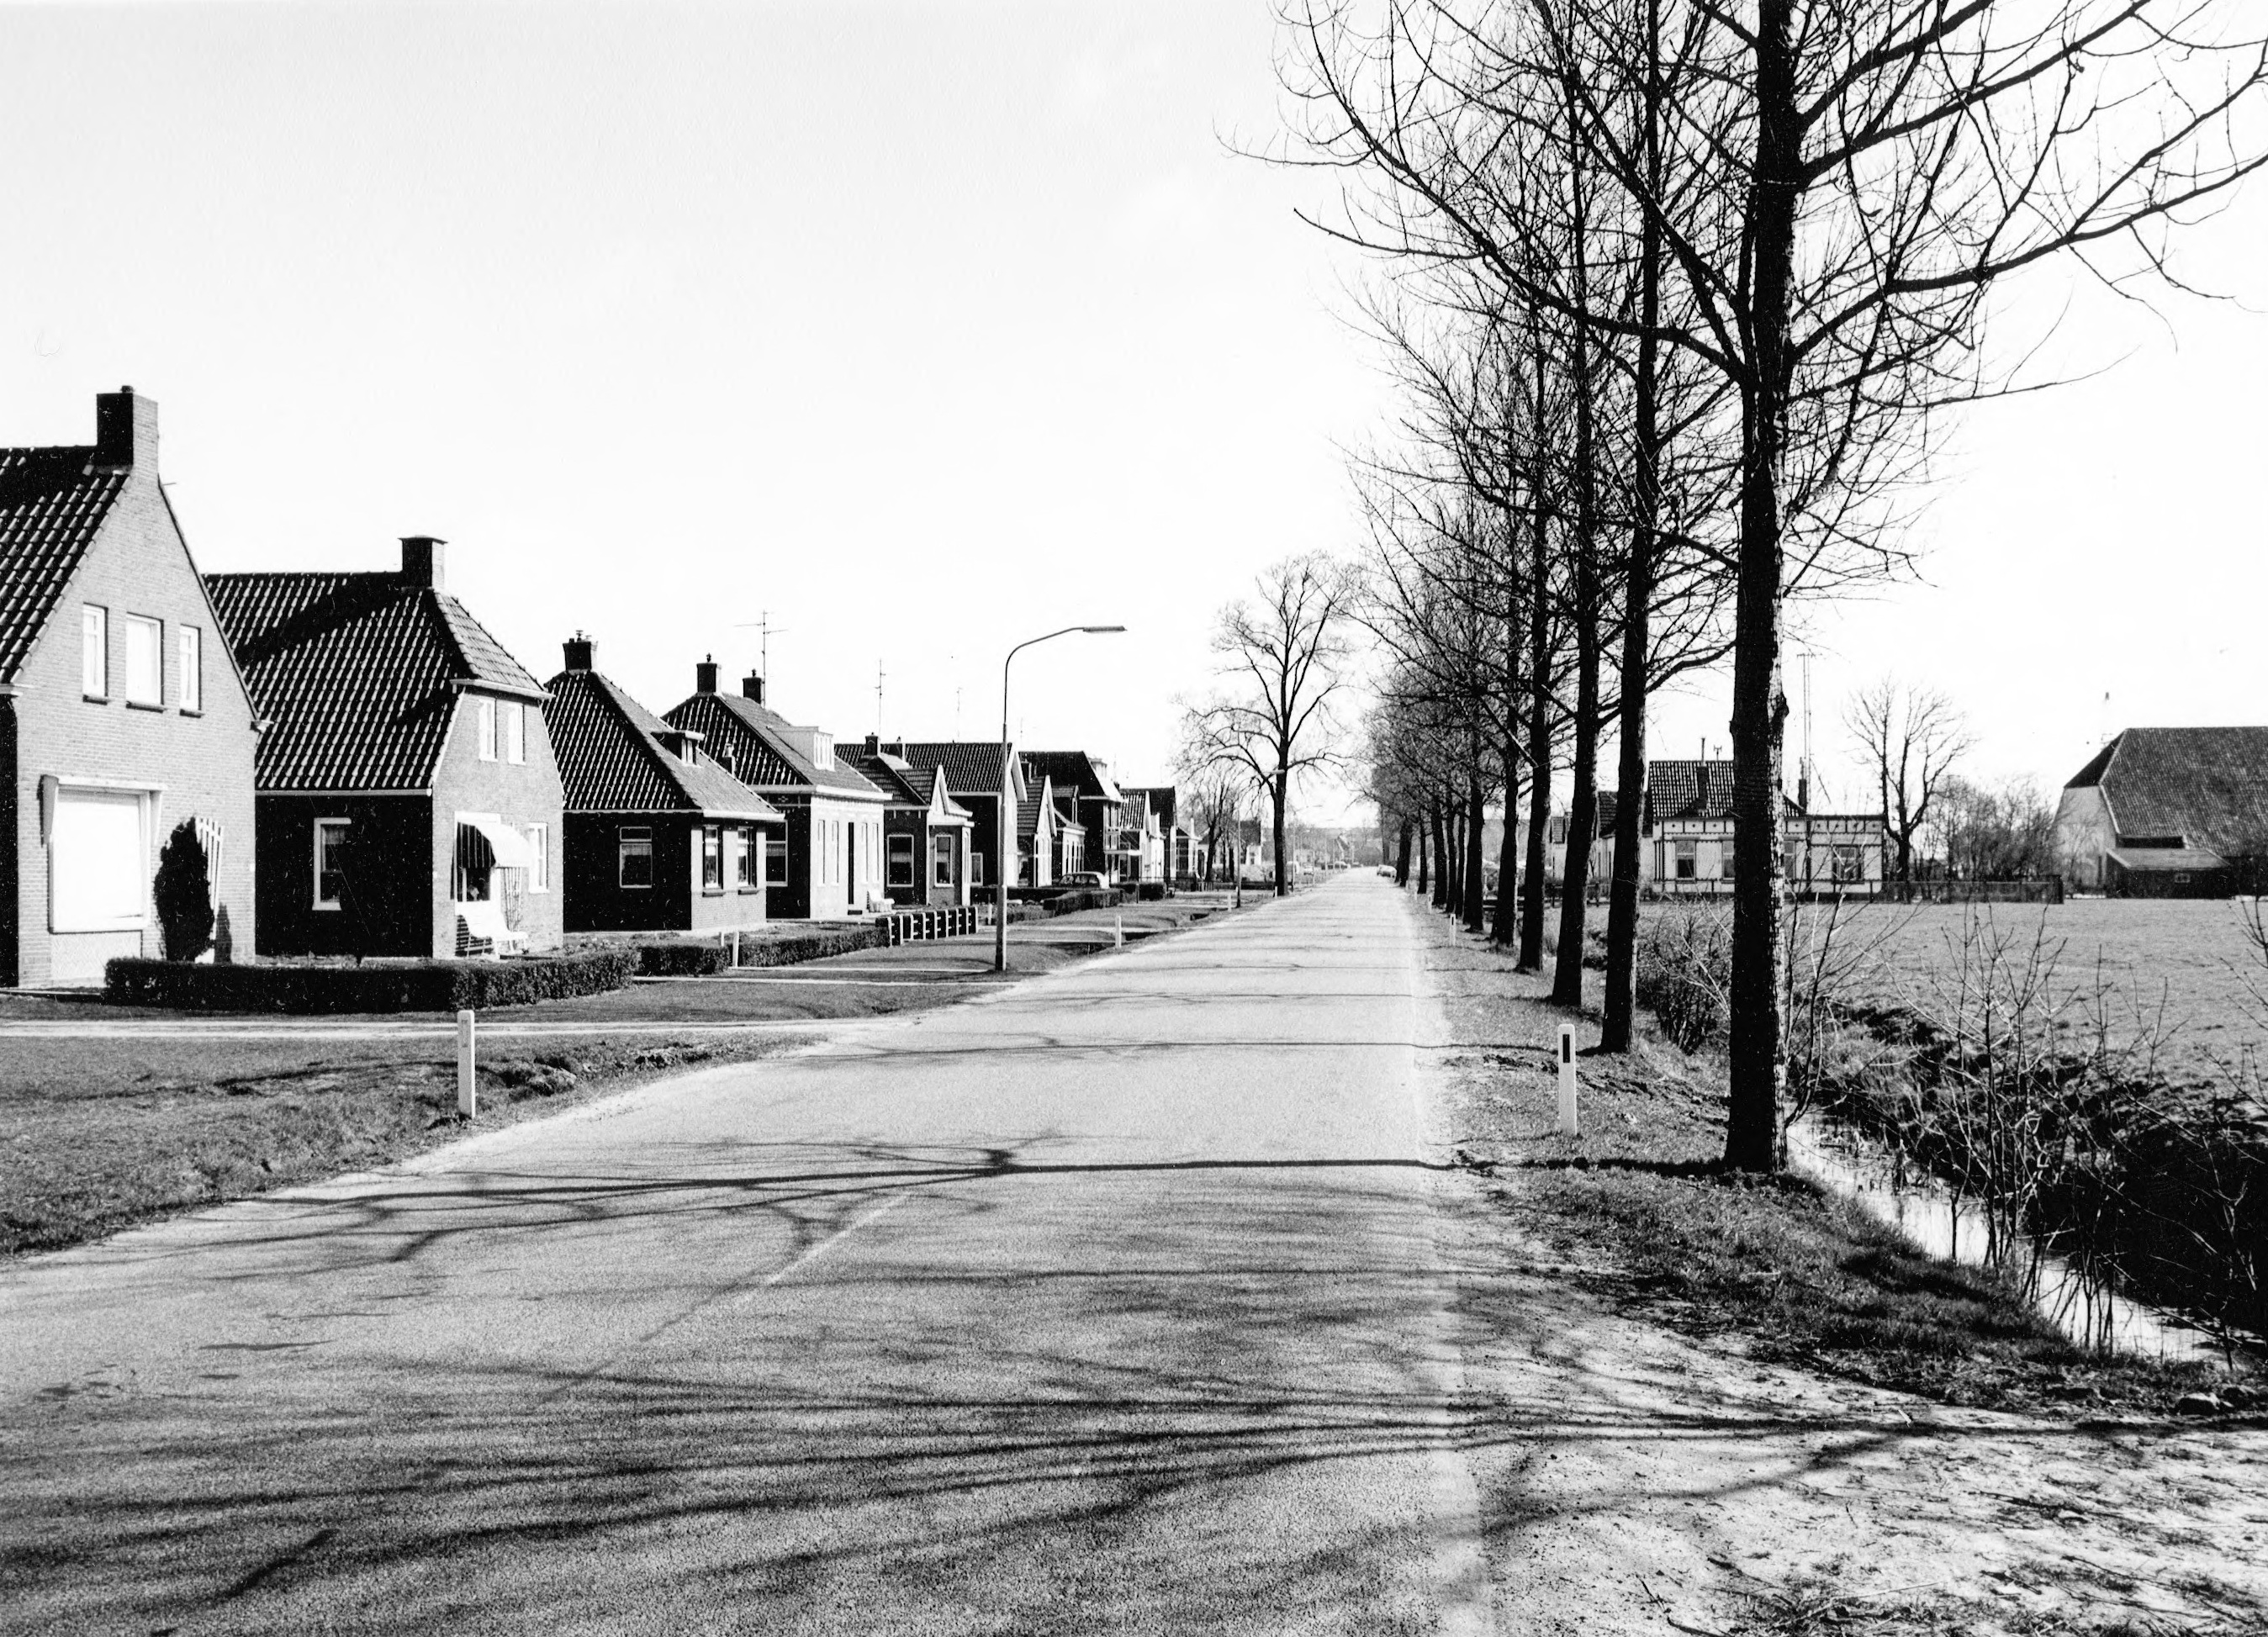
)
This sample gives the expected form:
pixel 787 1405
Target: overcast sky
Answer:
pixel 921 329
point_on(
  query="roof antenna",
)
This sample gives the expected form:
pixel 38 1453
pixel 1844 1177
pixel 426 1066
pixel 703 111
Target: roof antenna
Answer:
pixel 878 699
pixel 765 630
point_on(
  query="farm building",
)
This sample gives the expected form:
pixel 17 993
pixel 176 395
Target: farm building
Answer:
pixel 2168 812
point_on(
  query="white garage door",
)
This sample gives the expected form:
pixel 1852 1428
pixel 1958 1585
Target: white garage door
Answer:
pixel 100 860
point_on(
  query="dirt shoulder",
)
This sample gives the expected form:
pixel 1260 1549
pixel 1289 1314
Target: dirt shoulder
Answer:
pixel 1708 1408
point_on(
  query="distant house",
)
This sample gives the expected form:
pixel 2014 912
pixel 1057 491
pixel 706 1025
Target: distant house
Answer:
pixel 1108 850
pixel 123 717
pixel 832 864
pixel 1148 814
pixel 972 775
pixel 924 828
pixel 659 836
pixel 2168 812
pixel 1685 831
pixel 1041 831
pixel 408 801
pixel 1067 842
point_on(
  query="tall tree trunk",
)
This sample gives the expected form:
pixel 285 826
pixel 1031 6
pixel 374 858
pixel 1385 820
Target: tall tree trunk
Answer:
pixel 1476 874
pixel 1583 809
pixel 1539 682
pixel 1279 790
pixel 1439 896
pixel 1505 930
pixel 1424 880
pixel 1638 592
pixel 1452 902
pixel 1401 854
pixel 1757 1063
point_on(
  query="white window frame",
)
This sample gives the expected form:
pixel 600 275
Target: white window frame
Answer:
pixel 94 650
pixel 940 859
pixel 712 832
pixel 539 841
pixel 896 836
pixel 147 798
pixel 626 836
pixel 775 861
pixel 345 827
pixel 149 694
pixel 515 734
pixel 484 728
pixel 190 640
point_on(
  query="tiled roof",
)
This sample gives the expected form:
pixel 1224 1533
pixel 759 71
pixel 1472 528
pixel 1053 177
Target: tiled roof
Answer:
pixel 887 774
pixel 751 740
pixel 1158 797
pixel 611 759
pixel 358 673
pixel 53 502
pixel 1072 770
pixel 2146 859
pixel 2209 786
pixel 1689 790
pixel 972 767
pixel 1027 814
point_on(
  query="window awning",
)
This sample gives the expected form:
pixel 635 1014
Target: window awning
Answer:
pixel 510 847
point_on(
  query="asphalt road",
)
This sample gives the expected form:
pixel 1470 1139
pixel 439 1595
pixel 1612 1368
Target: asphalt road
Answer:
pixel 1111 1302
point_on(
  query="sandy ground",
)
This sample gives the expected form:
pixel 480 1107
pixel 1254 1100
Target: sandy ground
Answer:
pixel 1673 1484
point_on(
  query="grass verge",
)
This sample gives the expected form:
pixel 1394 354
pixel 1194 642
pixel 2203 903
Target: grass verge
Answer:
pixel 1798 1276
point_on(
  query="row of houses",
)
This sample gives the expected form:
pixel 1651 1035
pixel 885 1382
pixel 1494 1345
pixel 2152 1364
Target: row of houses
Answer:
pixel 366 771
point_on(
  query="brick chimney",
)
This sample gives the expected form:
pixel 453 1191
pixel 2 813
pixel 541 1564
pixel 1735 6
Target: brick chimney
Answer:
pixel 874 745
pixel 752 686
pixel 704 675
pixel 126 429
pixel 423 560
pixel 579 648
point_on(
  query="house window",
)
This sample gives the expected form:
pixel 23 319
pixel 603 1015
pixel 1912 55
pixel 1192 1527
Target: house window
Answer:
pixel 776 860
pixel 634 857
pixel 940 852
pixel 477 866
pixel 1850 864
pixel 330 862
pixel 1688 858
pixel 748 848
pixel 98 852
pixel 712 858
pixel 485 712
pixel 94 652
pixel 146 668
pixel 902 860
pixel 192 684
pixel 515 732
pixel 1725 850
pixel 539 843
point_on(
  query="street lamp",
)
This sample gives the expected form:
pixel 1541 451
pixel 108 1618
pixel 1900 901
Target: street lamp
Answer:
pixel 1004 860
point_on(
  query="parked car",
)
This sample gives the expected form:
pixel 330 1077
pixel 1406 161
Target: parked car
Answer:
pixel 1081 878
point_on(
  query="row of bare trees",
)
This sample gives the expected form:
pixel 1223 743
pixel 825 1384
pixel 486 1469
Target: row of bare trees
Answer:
pixel 1681 291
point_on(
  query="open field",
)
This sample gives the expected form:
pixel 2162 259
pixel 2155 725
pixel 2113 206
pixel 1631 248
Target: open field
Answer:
pixel 114 1115
pixel 2185 966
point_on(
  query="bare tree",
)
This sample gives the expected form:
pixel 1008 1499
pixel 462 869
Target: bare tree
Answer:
pixel 1910 738
pixel 1283 658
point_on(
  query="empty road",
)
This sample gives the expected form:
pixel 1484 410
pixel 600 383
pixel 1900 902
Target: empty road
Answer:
pixel 1110 1301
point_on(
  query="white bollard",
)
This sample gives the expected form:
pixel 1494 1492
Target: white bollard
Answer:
pixel 736 949
pixel 468 1102
pixel 1118 932
pixel 1569 1125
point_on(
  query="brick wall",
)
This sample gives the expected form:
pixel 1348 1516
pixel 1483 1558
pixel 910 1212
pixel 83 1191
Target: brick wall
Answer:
pixel 382 907
pixel 138 565
pixel 520 794
pixel 596 900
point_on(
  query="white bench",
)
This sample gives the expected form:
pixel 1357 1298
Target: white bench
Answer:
pixel 483 924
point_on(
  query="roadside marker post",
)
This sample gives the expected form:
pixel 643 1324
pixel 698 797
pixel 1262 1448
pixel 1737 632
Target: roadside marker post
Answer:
pixel 1118 932
pixel 467 1097
pixel 1569 1125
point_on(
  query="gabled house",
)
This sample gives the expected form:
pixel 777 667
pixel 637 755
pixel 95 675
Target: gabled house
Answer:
pixel 1067 842
pixel 925 829
pixel 2168 812
pixel 1149 815
pixel 972 771
pixel 1039 834
pixel 1685 831
pixel 1088 782
pixel 123 717
pixel 659 836
pixel 408 803
pixel 832 863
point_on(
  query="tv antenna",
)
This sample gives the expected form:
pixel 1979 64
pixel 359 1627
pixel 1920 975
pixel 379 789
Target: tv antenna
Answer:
pixel 878 673
pixel 765 630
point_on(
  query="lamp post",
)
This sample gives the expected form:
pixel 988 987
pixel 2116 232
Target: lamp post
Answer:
pixel 1005 859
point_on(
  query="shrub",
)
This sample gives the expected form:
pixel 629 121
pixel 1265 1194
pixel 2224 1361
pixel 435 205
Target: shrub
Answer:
pixel 183 895
pixel 816 944
pixel 1684 970
pixel 310 987
pixel 682 960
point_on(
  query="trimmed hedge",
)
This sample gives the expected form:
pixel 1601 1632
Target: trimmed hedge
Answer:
pixel 429 986
pixel 685 959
